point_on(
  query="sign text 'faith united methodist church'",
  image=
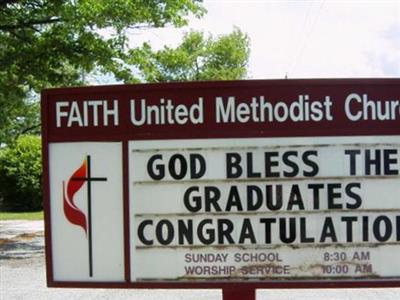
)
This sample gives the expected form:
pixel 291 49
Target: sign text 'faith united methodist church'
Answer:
pixel 276 183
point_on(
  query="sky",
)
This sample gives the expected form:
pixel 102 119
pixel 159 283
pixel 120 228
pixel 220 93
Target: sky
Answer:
pixel 303 39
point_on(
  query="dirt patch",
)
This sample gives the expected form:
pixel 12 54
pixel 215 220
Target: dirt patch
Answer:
pixel 28 236
pixel 20 238
pixel 5 241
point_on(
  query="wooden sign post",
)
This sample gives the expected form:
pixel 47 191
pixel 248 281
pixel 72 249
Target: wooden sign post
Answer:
pixel 238 294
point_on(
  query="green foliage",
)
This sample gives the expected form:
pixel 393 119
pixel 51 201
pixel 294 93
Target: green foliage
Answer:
pixel 19 117
pixel 52 43
pixel 197 58
pixel 20 173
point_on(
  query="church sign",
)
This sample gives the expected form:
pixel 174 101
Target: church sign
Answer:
pixel 259 184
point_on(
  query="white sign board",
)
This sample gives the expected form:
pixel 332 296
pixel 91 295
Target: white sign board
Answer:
pixel 210 185
pixel 264 208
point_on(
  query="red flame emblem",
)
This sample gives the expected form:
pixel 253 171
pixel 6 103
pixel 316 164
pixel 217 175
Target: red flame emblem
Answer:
pixel 71 211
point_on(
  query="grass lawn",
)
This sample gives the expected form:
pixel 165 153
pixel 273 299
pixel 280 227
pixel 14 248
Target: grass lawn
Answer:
pixel 37 215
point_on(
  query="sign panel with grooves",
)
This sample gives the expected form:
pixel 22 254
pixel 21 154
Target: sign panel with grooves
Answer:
pixel 258 184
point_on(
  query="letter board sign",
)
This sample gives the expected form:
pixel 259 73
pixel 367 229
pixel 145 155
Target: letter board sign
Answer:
pixel 270 183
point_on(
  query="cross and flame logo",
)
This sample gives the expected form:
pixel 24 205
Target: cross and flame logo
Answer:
pixel 72 213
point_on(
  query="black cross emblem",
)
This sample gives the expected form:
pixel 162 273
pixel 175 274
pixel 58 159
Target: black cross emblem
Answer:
pixel 89 179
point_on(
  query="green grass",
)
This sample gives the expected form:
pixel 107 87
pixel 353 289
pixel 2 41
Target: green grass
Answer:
pixel 37 215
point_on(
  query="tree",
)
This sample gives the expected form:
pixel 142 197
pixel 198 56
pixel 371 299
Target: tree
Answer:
pixel 197 58
pixel 45 43
pixel 18 118
pixel 48 43
pixel 20 173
